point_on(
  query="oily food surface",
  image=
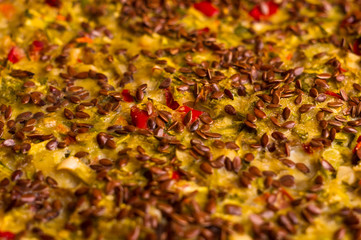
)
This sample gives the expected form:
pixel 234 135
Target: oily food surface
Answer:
pixel 180 119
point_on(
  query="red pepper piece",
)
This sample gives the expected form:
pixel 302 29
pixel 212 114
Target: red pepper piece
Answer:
pixel 139 117
pixel 53 3
pixel 342 69
pixel 273 8
pixel 14 55
pixel 171 103
pixel 203 31
pixel 126 96
pixel 206 8
pixel 176 175
pixel 333 94
pixel 358 145
pixel 38 45
pixel 34 50
pixel 257 14
pixel 307 148
pixel 185 109
pixel 7 235
pixel 287 194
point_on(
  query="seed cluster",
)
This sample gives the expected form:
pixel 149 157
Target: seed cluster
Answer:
pixel 134 121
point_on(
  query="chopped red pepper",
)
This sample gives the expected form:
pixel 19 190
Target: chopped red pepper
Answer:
pixel 15 55
pixel 53 3
pixel 37 45
pixel 139 117
pixel 175 175
pixel 257 14
pixel 342 69
pixel 307 148
pixel 126 96
pixel 203 31
pixel 7 235
pixel 358 145
pixel 171 103
pixel 287 194
pixel 206 8
pixel 185 109
pixel 35 49
pixel 333 94
pixel 356 47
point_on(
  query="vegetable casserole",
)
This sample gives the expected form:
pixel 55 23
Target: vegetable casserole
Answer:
pixel 180 119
